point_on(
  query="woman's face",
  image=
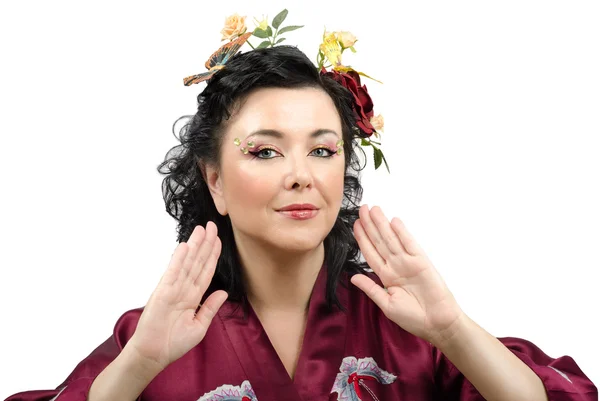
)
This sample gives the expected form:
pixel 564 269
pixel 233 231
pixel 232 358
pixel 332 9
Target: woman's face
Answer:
pixel 291 138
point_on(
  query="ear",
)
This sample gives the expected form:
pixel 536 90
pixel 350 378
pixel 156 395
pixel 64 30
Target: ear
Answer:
pixel 212 177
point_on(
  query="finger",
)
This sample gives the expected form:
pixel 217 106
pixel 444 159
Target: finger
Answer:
pixel 193 242
pixel 408 241
pixel 210 307
pixel 372 289
pixel 373 258
pixel 204 251
pixel 208 271
pixel 170 276
pixel 389 236
pixel 373 232
pixel 209 240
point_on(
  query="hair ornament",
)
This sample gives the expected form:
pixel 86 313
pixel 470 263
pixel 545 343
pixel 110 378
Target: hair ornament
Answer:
pixel 329 63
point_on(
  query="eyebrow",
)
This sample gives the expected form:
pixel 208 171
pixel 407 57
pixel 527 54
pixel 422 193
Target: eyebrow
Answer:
pixel 278 134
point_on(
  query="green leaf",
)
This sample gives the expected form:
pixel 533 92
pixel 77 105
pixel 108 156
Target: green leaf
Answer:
pixel 259 33
pixel 289 28
pixel 264 44
pixel 377 156
pixel 269 31
pixel 280 40
pixel 279 18
pixel 364 142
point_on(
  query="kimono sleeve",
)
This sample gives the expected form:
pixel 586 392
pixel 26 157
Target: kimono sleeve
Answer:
pixel 562 378
pixel 77 385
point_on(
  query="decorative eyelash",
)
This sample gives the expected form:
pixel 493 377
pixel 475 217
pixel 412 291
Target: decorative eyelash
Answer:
pixel 256 152
pixel 331 152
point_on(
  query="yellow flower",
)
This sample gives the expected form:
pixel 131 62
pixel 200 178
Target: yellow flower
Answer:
pixel 377 122
pixel 263 24
pixel 235 25
pixel 346 39
pixel 331 49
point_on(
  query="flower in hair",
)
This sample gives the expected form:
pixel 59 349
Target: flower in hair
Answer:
pixel 329 63
pixel 330 50
pixel 363 104
pixel 262 24
pixel 235 25
pixel 346 40
pixel 377 123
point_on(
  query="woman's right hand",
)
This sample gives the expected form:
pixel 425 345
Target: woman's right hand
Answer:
pixel 169 327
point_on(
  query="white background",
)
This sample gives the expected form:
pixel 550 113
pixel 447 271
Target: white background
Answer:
pixel 492 123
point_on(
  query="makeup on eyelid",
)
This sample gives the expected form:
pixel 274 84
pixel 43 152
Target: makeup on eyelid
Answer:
pixel 258 147
pixel 253 147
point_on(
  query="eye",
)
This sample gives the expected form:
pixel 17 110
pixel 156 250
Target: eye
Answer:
pixel 269 153
pixel 264 153
pixel 323 152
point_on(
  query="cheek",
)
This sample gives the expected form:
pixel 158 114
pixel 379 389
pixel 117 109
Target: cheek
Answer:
pixel 247 186
pixel 332 184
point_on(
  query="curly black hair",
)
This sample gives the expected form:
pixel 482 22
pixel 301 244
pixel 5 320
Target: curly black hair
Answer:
pixel 187 196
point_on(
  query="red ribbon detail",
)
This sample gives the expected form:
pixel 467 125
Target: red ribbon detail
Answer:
pixel 355 378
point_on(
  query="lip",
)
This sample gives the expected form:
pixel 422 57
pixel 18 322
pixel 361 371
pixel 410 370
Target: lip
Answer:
pixel 299 214
pixel 298 206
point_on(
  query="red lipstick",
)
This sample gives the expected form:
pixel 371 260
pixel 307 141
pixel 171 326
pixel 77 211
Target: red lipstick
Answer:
pixel 299 211
pixel 298 206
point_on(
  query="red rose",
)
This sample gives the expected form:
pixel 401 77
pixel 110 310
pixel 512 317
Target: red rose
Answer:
pixel 362 104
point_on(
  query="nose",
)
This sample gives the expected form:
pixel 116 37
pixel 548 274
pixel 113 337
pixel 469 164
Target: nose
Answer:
pixel 299 175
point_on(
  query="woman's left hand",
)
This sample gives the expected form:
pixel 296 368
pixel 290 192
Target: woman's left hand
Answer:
pixel 415 295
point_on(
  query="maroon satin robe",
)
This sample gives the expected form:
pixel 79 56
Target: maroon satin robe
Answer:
pixel 354 355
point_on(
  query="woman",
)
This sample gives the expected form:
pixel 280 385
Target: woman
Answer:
pixel 265 190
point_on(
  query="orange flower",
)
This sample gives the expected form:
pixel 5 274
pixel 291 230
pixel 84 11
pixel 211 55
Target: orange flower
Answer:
pixel 235 25
pixel 377 122
pixel 346 39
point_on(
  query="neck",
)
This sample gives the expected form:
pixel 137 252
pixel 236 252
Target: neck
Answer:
pixel 278 280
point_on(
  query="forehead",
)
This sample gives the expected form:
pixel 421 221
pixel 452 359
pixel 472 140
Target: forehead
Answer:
pixel 293 111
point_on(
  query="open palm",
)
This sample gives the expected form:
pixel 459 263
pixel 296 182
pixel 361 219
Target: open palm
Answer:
pixel 415 295
pixel 169 325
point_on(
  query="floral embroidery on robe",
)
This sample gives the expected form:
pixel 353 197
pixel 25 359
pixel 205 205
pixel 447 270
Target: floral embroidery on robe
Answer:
pixel 227 392
pixel 350 382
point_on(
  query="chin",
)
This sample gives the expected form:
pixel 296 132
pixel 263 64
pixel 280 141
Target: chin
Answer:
pixel 296 242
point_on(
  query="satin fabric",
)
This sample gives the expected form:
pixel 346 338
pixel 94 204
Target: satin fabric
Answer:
pixel 359 347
